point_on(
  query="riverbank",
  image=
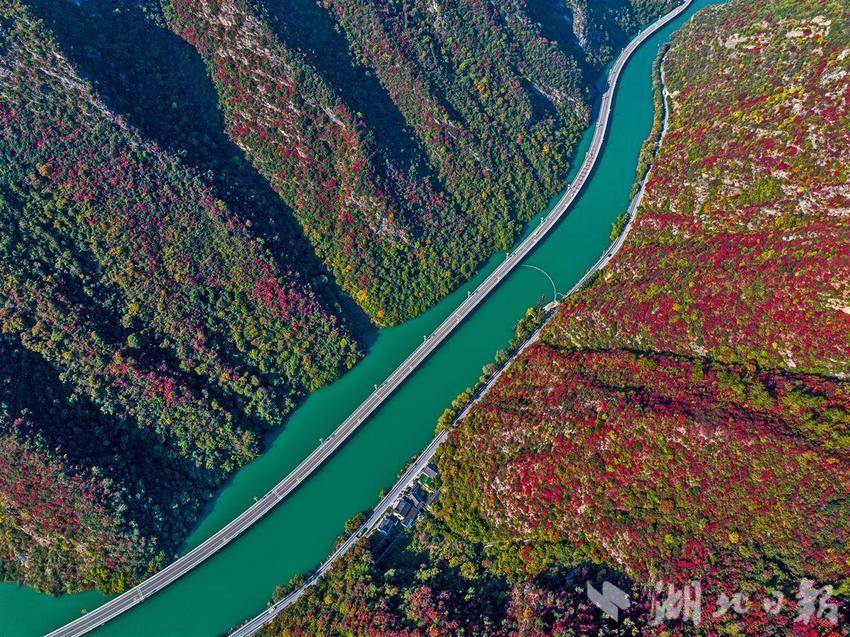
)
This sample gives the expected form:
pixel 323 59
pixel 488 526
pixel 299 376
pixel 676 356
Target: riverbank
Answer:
pixel 311 518
pixel 476 393
pixel 630 434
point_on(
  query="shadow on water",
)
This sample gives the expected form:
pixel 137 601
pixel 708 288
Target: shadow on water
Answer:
pixel 159 85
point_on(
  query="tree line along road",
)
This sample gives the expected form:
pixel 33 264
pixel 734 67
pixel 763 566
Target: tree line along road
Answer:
pixel 288 484
pixel 253 625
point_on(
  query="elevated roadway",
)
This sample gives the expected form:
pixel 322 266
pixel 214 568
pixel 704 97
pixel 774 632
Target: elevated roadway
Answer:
pixel 176 569
pixel 253 625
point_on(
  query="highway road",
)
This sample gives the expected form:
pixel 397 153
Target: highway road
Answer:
pixel 253 625
pixel 287 485
pixel 373 521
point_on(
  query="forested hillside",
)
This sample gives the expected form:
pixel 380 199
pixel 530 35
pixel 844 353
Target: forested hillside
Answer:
pixel 204 201
pixel 156 336
pixel 685 418
pixel 597 29
pixel 406 188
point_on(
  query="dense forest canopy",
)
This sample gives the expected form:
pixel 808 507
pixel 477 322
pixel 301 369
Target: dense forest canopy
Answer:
pixel 467 132
pixel 685 418
pixel 207 205
pixel 141 294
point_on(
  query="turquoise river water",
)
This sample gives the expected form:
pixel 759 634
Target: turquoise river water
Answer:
pixel 298 534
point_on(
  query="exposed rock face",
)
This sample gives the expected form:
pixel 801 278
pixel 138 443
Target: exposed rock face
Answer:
pixel 578 14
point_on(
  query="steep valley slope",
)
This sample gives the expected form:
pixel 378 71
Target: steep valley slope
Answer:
pixel 467 133
pixel 149 338
pixel 207 206
pixel 682 422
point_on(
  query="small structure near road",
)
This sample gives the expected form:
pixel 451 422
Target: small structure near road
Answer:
pixel 427 477
pixel 387 525
pixel 413 500
pixel 403 508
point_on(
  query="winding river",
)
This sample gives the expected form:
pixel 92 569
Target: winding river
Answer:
pixel 298 534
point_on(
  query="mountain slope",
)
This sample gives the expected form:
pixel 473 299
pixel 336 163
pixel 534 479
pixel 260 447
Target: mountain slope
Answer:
pixel 713 347
pixel 467 133
pixel 145 296
pixel 685 418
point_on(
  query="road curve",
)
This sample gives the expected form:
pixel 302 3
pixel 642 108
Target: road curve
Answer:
pixel 253 625
pixel 287 485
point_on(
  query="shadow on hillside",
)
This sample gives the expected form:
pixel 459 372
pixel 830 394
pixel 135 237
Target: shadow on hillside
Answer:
pixel 556 24
pixel 601 23
pixel 162 494
pixel 304 26
pixel 156 81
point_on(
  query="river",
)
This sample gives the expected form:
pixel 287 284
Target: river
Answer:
pixel 236 583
